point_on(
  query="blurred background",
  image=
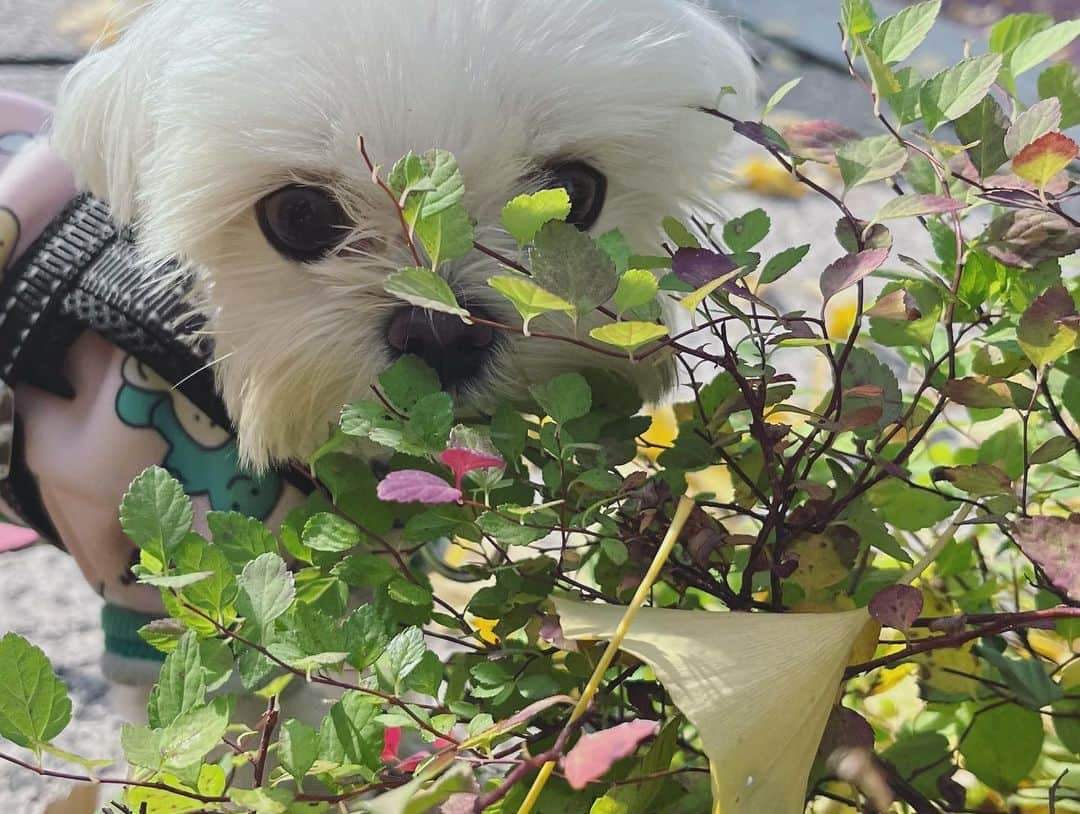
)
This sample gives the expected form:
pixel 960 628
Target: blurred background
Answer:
pixel 42 595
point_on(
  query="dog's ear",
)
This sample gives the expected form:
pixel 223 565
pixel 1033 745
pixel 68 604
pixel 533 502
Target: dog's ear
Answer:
pixel 101 128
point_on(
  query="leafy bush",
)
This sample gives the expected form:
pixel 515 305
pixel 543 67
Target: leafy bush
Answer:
pixel 815 511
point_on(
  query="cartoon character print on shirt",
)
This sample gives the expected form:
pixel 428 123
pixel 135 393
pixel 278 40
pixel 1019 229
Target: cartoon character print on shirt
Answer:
pixel 202 455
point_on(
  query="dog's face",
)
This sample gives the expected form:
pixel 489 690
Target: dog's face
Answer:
pixel 227 133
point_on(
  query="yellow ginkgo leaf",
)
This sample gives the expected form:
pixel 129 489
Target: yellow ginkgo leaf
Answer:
pixel 722 671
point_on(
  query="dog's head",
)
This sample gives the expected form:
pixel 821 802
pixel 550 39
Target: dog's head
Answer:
pixel 227 132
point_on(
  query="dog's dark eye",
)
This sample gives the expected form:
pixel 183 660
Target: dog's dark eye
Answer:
pixel 587 187
pixel 303 223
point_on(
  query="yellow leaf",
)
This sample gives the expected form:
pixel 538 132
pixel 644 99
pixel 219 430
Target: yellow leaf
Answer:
pixel 722 671
pixel 1043 159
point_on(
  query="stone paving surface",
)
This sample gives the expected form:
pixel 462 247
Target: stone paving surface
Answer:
pixel 42 595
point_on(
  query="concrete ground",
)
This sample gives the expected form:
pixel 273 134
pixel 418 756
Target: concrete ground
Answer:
pixel 42 595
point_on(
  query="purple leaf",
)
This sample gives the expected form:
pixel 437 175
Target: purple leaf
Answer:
pixel 1053 543
pixel 464 461
pixel 850 269
pixel 897 606
pixel 414 486
pixel 597 752
pixel 699 267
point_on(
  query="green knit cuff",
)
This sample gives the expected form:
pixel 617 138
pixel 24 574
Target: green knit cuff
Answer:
pixel 122 637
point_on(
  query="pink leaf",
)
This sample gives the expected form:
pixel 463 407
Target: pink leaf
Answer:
pixel 464 461
pixel 818 140
pixel 850 269
pixel 897 606
pixel 595 753
pixel 414 486
pixel 1053 543
pixel 13 538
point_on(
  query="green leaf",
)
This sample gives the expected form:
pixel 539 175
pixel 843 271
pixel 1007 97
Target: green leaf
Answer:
pixel 1042 333
pixel 524 216
pixel 298 748
pixel 1062 82
pixel 1031 125
pixel 192 736
pixel 529 299
pixel 1014 29
pixel 409 175
pixel 509 532
pixel 425 289
pixel 429 425
pixel 448 185
pixel 742 234
pixel 778 97
pixel 1003 745
pixel 240 538
pixel 447 236
pixel 950 94
pixel 407 381
pixel 403 655
pixel 680 235
pixel 872 159
pixel 857 16
pixel 615 246
pixel 564 398
pixel 884 80
pixel 366 636
pixel 34 703
pixel 980 480
pixel 181 686
pixel 782 263
pixel 629 336
pixel 918 205
pixel 896 37
pixel 1042 45
pixel 422 794
pixel 331 533
pixel 266 591
pixel 907 508
pixel 1052 450
pixel 986 124
pixel 637 287
pixel 215 594
pixel 156 513
pixel 143 746
pixel 566 262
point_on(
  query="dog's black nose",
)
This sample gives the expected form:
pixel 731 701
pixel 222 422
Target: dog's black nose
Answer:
pixel 454 350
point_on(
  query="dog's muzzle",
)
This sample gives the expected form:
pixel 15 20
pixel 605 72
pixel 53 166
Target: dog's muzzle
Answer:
pixel 454 350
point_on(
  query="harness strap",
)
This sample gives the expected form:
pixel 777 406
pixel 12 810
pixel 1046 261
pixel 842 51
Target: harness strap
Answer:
pixel 84 273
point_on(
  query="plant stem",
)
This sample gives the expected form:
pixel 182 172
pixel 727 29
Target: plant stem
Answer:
pixel 682 514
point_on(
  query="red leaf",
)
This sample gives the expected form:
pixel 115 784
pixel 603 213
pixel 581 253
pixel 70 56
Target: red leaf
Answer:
pixel 1053 543
pixel 850 269
pixel 597 752
pixel 414 486
pixel 464 461
pixel 897 606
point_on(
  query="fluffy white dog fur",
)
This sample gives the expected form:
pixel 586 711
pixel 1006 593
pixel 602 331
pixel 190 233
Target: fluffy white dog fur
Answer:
pixel 203 107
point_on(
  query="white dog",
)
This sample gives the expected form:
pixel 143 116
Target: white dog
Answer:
pixel 226 133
